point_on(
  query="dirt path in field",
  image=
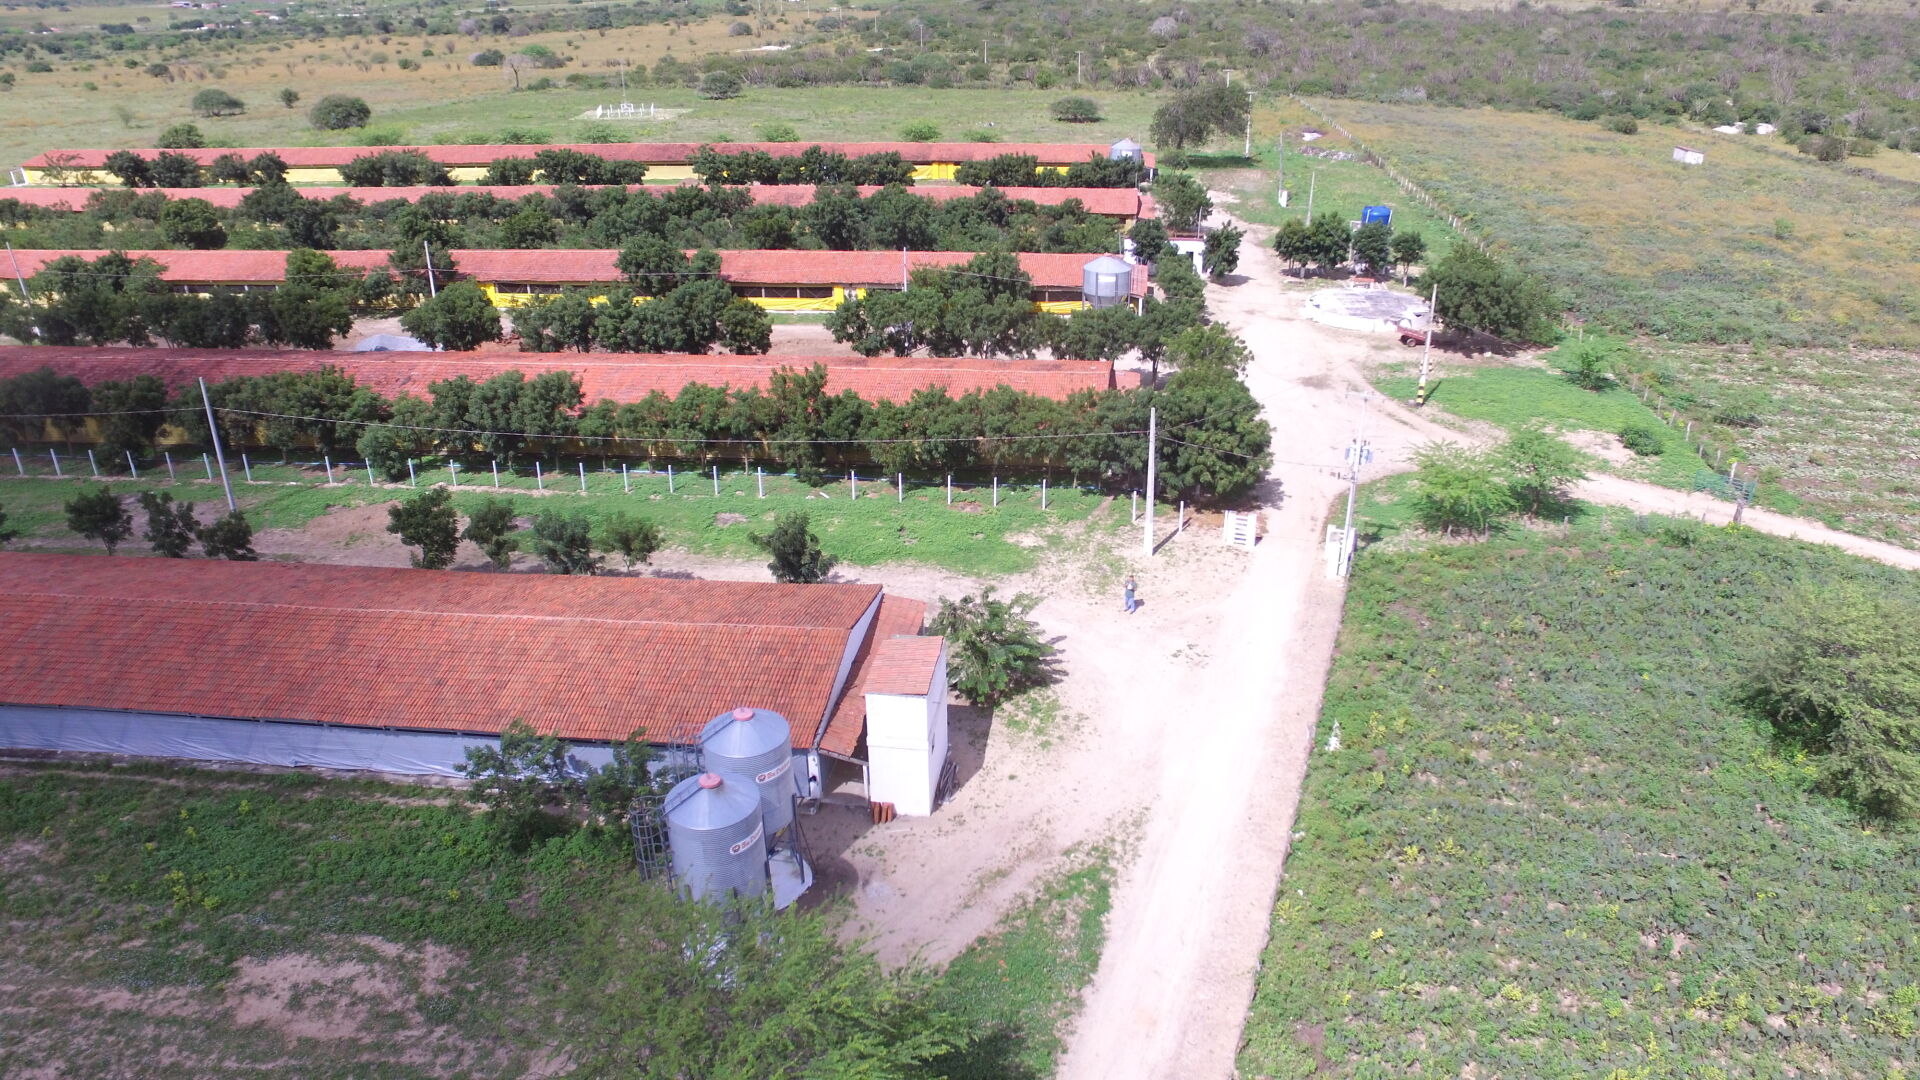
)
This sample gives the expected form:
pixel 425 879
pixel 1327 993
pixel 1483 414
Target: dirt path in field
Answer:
pixel 1191 915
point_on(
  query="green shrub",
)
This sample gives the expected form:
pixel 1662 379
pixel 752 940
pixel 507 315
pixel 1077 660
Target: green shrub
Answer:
pixel 337 112
pixel 920 131
pixel 1643 439
pixel 1076 110
pixel 1844 682
pixel 1625 125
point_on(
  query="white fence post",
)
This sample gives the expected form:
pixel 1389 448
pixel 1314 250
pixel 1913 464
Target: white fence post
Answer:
pixel 716 481
pixel 369 473
pixel 539 476
pixel 207 464
pixel 853 486
pixel 21 467
pixel 900 486
pixel 90 461
pixel 1043 493
pixel 583 477
pixel 496 474
pixel 949 489
pixel 327 460
pixel 669 478
pixel 626 478
pixel 169 457
pixel 55 455
pixel 996 491
pixel 247 467
pixel 453 468
pixel 131 467
pixel 760 478
pixel 413 480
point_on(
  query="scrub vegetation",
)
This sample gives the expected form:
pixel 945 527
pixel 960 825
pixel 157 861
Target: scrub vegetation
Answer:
pixel 210 923
pixel 1753 246
pixel 1558 834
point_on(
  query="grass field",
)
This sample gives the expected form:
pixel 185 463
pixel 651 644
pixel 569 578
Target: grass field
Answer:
pixel 1512 397
pixel 1835 433
pixel 1340 187
pixel 972 536
pixel 1551 844
pixel 1752 246
pixel 174 923
pixel 1839 429
pixel 449 100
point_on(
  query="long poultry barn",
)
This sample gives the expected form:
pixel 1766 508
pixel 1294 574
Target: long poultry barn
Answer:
pixel 617 377
pixel 1123 205
pixel 796 281
pixel 402 671
pixel 673 162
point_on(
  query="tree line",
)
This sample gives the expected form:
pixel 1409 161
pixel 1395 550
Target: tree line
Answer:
pixel 277 215
pixel 1093 435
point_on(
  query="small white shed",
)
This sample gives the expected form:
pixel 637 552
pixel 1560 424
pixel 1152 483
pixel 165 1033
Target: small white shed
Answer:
pixel 1688 156
pixel 906 693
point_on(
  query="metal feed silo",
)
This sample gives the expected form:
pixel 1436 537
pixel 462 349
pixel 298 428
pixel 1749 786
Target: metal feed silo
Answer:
pixel 755 743
pixel 1106 281
pixel 719 844
pixel 1127 150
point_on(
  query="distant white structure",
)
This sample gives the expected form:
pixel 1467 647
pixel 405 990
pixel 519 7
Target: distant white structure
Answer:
pixel 1732 129
pixel 906 693
pixel 1687 156
pixel 1764 129
pixel 1373 311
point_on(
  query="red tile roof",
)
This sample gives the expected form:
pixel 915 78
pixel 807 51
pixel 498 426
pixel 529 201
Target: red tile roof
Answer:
pixel 905 665
pixel 652 153
pixel 621 377
pixel 596 266
pixel 1108 202
pixel 590 658
pixel 898 616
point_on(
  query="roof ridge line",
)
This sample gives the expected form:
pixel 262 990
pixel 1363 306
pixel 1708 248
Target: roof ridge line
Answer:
pixel 412 611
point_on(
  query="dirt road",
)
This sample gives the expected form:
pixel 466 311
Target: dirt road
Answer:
pixel 1191 917
pixel 1191 914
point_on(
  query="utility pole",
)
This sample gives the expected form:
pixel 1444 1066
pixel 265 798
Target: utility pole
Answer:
pixel 1247 150
pixel 218 454
pixel 1280 152
pixel 1426 354
pixel 1153 430
pixel 25 296
pixel 1357 454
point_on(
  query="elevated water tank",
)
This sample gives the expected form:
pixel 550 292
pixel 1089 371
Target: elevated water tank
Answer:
pixel 1127 150
pixel 758 744
pixel 1106 281
pixel 719 845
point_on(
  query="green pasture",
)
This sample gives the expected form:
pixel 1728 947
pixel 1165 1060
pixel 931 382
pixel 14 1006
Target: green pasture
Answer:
pixel 1553 843
pixel 971 535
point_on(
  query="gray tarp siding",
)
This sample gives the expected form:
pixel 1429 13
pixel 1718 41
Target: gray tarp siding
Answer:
pixel 256 742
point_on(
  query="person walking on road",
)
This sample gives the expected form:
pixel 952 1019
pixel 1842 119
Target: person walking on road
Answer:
pixel 1131 603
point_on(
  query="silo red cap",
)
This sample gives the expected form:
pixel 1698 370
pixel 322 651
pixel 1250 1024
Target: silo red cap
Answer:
pixel 743 713
pixel 709 780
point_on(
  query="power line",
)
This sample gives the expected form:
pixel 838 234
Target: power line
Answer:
pixel 671 438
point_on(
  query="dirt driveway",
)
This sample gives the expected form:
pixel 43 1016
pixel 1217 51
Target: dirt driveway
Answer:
pixel 1191 915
